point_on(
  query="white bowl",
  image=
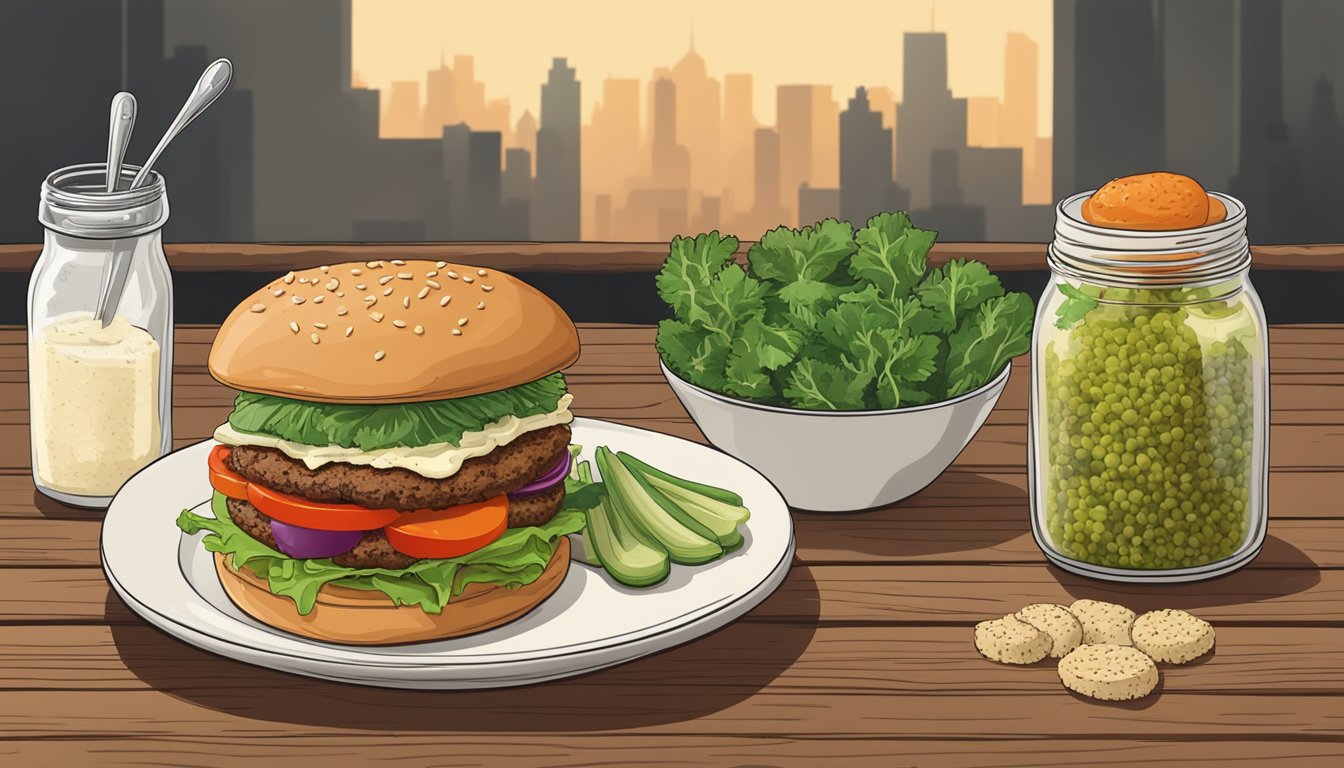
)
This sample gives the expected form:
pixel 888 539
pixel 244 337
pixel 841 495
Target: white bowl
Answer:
pixel 841 461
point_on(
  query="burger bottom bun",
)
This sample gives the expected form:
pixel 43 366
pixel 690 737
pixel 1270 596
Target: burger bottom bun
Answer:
pixel 359 617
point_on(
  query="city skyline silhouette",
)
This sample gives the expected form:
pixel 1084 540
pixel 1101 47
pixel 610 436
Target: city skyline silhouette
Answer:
pixel 304 148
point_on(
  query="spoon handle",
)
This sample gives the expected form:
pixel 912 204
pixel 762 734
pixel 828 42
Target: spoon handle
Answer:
pixel 119 135
pixel 214 80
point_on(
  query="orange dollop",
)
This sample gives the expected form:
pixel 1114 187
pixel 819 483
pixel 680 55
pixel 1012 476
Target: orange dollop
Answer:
pixel 1150 201
pixel 1217 211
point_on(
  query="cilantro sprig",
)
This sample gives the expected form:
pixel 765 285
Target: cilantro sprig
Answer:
pixel 827 318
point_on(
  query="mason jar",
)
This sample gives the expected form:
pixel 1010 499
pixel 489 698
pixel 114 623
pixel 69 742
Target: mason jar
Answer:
pixel 1149 434
pixel 99 393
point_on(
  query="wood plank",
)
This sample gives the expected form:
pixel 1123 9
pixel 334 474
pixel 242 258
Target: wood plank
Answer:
pixel 791 659
pixel 582 750
pixel 591 256
pixel 936 593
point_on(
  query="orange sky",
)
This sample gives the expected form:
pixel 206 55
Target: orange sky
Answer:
pixel 779 42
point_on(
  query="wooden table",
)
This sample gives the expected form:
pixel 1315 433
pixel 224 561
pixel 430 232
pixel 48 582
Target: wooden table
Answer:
pixel 863 657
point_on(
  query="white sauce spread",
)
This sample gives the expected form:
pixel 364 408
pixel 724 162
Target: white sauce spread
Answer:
pixel 96 403
pixel 435 461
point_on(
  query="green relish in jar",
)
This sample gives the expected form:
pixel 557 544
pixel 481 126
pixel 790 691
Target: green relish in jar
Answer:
pixel 1150 401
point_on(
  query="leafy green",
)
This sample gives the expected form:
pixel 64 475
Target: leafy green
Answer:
pixel 1000 331
pixel 511 561
pixel 1076 304
pixel 375 427
pixel 691 263
pixel 892 254
pixel 952 292
pixel 827 318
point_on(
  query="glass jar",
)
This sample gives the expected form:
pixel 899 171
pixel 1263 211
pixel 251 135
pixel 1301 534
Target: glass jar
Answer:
pixel 1149 436
pixel 100 396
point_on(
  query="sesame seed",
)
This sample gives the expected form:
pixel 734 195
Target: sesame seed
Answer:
pixel 433 284
pixel 315 337
pixel 406 302
pixel 340 294
pixel 440 264
pixel 289 278
pixel 349 329
pixel 302 280
pixel 296 299
pixel 293 326
pixel 480 305
pixel 457 332
pixel 452 275
pixel 356 271
pixel 461 321
pixel 405 275
pixel 399 323
pixel 418 330
pixel 388 292
pixel 431 273
pixel 468 279
pixel 379 355
pixel 370 300
pixel 278 292
pixel 341 311
pixel 481 272
pixel 361 286
pixel 385 279
pixel 333 284
pixel 423 293
pixel 376 316
pixel 373 264
pixel 320 326
pixel 444 301
pixel 319 298
pixel 398 263
pixel 324 268
pixel 487 288
pixel 258 307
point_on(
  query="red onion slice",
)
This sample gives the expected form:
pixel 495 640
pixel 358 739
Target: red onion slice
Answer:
pixel 308 543
pixel 555 475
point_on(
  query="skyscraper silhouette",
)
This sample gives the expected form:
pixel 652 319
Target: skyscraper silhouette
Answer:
pixel 403 118
pixel 483 178
pixel 766 210
pixel 613 150
pixel 517 181
pixel 928 117
pixel 670 159
pixel 825 139
pixel 525 134
pixel 1268 179
pixel 1017 116
pixel 440 99
pixel 1198 56
pixel 793 124
pixel 739 124
pixel 1109 94
pixel 698 120
pixel 556 207
pixel 470 93
pixel 865 160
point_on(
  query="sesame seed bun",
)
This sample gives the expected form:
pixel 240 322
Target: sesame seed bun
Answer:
pixel 415 331
pixel 360 617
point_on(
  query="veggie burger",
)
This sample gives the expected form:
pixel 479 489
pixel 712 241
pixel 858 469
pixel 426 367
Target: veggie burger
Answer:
pixel 393 469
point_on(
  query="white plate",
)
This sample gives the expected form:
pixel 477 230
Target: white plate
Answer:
pixel 589 623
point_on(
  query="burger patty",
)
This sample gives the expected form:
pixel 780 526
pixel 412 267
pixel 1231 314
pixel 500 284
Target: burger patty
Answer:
pixel 373 550
pixel 511 466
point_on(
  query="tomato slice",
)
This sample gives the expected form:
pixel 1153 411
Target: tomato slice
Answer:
pixel 450 532
pixel 223 479
pixel 304 513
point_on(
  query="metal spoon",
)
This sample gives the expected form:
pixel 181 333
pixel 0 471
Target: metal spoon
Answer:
pixel 119 135
pixel 212 83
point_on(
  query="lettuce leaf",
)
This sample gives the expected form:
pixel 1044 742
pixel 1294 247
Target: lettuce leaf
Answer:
pixel 514 559
pixel 375 427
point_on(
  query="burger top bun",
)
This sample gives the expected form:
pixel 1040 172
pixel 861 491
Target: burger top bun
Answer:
pixel 392 332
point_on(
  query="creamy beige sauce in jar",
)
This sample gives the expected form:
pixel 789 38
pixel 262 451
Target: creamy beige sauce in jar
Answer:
pixel 95 406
